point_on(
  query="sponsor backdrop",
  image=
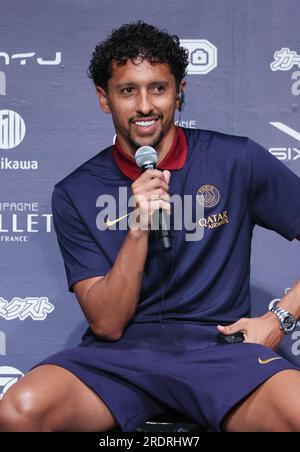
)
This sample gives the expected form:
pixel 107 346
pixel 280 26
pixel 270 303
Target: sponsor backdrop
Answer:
pixel 244 79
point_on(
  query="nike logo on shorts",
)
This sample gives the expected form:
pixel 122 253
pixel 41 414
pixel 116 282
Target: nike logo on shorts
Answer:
pixel 267 361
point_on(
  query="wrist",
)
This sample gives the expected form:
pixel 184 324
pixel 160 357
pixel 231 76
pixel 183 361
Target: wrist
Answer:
pixel 138 234
pixel 274 323
pixel 269 315
pixel 287 322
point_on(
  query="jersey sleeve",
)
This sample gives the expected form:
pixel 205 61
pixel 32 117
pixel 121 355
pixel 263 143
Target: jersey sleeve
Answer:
pixel 82 256
pixel 274 192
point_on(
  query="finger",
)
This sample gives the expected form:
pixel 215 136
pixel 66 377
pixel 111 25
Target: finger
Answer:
pixel 166 197
pixel 153 173
pixel 159 194
pixel 146 176
pixel 154 184
pixel 160 204
pixel 167 175
pixel 231 329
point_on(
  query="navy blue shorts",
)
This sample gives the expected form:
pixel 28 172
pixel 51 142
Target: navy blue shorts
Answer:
pixel 177 366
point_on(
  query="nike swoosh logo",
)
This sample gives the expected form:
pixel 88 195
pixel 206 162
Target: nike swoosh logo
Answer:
pixel 112 222
pixel 267 361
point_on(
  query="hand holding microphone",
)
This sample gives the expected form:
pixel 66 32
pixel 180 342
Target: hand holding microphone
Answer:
pixel 151 194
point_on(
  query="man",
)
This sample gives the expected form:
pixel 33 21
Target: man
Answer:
pixel 153 315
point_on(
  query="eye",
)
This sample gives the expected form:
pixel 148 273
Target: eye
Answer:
pixel 127 90
pixel 159 89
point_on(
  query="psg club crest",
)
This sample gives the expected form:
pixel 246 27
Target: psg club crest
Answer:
pixel 208 195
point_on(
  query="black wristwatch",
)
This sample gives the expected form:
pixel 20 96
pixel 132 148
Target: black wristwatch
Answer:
pixel 287 320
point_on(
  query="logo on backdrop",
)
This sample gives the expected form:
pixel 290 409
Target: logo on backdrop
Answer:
pixel 37 308
pixel 284 60
pixel 296 344
pixel 286 153
pixel 2 343
pixel 12 133
pixel 19 221
pixel 12 125
pixel 8 377
pixel 22 58
pixel 277 300
pixel 2 84
pixel 203 55
pixel 12 129
pixel 188 124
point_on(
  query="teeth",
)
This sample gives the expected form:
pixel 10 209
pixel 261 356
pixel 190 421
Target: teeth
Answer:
pixel 145 123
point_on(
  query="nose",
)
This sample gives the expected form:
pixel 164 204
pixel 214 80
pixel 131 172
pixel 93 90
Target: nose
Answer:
pixel 144 105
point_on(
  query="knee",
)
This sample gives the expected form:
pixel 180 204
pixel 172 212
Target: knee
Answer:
pixel 289 415
pixel 287 418
pixel 294 423
pixel 17 412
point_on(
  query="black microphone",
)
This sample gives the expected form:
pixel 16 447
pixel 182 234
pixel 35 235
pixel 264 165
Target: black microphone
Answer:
pixel 146 158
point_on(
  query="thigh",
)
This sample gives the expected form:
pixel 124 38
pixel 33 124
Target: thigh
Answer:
pixel 273 407
pixel 59 401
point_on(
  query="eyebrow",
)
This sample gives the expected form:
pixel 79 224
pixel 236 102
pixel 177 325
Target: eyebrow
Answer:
pixel 157 82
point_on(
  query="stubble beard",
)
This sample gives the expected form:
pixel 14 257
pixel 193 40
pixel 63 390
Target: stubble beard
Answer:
pixel 135 145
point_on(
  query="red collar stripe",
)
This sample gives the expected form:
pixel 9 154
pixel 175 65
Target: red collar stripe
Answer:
pixel 171 161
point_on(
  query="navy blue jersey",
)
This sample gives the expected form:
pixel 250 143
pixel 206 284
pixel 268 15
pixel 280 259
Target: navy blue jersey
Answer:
pixel 205 281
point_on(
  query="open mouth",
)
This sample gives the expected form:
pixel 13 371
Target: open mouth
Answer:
pixel 146 125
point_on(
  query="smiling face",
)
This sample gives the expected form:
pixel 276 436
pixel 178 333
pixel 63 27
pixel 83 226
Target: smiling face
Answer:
pixel 142 99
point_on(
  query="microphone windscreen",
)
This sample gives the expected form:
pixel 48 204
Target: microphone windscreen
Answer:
pixel 146 155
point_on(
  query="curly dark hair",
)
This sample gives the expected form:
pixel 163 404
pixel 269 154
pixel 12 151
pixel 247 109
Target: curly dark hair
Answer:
pixel 137 40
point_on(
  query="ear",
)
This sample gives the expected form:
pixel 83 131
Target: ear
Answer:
pixel 182 86
pixel 103 99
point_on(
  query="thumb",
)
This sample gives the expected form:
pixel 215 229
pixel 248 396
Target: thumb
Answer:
pixel 230 329
pixel 167 175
